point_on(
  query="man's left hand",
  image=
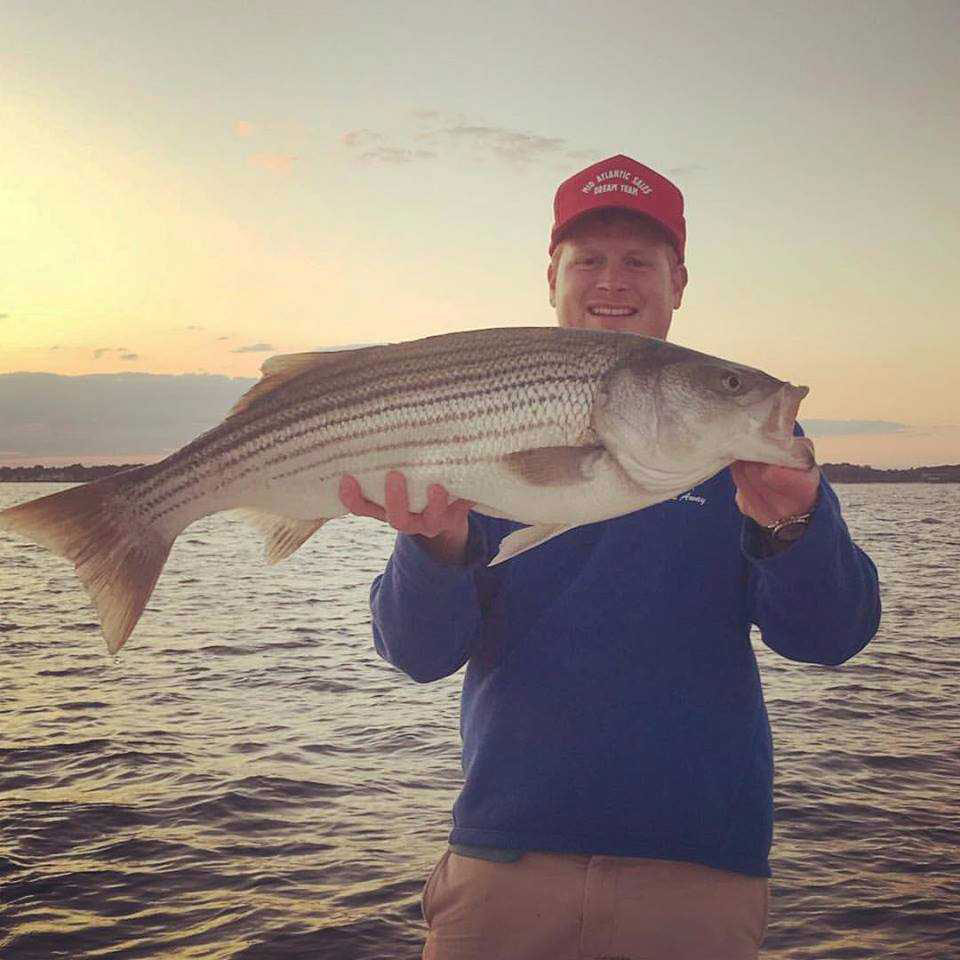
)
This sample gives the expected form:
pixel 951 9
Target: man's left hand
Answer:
pixel 768 493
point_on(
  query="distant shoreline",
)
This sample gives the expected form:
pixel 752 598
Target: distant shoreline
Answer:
pixel 835 473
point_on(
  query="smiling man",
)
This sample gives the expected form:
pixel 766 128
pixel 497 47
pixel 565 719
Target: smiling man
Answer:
pixel 615 273
pixel 610 267
pixel 617 756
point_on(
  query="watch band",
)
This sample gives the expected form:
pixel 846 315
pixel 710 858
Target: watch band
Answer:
pixel 788 528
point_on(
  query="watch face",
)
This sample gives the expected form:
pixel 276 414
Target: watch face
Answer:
pixel 791 531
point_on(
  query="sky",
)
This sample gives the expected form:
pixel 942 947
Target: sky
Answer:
pixel 193 187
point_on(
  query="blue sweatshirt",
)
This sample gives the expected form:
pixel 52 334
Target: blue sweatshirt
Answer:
pixel 612 702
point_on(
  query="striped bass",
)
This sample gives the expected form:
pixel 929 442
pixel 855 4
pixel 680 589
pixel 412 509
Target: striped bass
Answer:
pixel 548 426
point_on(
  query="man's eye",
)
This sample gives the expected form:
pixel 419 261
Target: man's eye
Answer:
pixel 587 261
pixel 636 262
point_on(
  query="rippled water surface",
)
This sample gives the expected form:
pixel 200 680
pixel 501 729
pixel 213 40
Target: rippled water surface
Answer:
pixel 248 780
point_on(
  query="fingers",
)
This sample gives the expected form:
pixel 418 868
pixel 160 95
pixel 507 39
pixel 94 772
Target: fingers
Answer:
pixel 434 516
pixel 398 504
pixel 439 515
pixel 351 496
pixel 433 519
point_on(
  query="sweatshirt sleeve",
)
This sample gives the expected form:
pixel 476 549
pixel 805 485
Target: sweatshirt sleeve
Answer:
pixel 427 614
pixel 818 601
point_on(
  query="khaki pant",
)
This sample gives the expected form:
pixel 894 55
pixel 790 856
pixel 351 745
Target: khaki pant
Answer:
pixel 567 907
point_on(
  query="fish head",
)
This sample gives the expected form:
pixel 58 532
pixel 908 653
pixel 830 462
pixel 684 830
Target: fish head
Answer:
pixel 673 416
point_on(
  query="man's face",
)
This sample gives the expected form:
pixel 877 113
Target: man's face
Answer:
pixel 616 275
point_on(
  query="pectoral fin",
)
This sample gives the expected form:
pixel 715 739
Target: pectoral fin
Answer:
pixel 526 538
pixel 282 536
pixel 555 466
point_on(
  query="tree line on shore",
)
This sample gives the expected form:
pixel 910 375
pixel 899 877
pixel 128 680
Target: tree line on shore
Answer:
pixel 835 473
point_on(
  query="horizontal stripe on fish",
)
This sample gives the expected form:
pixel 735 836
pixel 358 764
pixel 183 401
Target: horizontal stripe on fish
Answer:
pixel 352 456
pixel 572 392
pixel 540 432
pixel 403 392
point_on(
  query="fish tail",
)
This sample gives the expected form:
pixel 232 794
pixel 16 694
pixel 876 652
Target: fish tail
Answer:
pixel 117 556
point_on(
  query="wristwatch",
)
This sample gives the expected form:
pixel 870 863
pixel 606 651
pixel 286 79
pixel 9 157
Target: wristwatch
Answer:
pixel 789 528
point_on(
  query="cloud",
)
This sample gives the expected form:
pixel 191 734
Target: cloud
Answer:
pixel 837 428
pixel 255 348
pixel 55 347
pixel 3 316
pixel 397 155
pixel 360 138
pixel 193 326
pixel 514 145
pixel 370 142
pixel 226 338
pixel 273 162
pixel 122 352
pixel 243 129
pixel 912 446
pixel 116 415
pixel 431 133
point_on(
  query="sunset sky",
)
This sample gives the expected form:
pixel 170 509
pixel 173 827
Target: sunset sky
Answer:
pixel 192 187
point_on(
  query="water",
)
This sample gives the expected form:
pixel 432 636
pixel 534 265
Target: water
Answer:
pixel 248 780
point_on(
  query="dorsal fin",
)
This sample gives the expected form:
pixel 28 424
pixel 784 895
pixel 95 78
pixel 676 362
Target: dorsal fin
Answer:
pixel 283 368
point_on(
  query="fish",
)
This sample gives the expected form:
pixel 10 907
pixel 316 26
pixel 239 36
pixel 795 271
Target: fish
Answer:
pixel 547 426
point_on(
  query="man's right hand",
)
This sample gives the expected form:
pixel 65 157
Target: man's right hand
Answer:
pixel 442 524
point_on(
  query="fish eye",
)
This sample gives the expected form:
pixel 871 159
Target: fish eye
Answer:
pixel 732 382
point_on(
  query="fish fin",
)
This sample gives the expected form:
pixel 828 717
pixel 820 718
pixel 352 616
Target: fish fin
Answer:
pixel 117 562
pixel 283 536
pixel 283 368
pixel 489 511
pixel 526 538
pixel 554 466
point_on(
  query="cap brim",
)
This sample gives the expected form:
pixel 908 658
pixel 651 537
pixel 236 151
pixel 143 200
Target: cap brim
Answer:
pixel 668 235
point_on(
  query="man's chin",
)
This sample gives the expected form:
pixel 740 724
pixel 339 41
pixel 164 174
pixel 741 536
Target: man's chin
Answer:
pixel 619 324
pixel 635 323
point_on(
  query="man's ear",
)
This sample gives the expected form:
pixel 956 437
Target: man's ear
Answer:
pixel 552 283
pixel 678 279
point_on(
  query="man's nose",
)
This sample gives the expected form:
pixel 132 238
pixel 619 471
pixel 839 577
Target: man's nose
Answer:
pixel 611 278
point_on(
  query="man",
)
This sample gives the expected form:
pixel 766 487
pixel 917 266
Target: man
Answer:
pixel 617 756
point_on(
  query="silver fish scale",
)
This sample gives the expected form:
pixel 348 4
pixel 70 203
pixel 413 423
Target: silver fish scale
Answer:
pixel 482 407
pixel 473 396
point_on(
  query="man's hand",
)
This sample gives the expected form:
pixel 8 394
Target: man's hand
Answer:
pixel 768 493
pixel 443 524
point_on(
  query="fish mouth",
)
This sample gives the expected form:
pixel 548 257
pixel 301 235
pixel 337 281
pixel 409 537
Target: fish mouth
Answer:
pixel 775 443
pixel 783 413
pixel 798 451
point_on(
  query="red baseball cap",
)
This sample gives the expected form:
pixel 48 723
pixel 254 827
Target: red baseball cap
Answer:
pixel 621 183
